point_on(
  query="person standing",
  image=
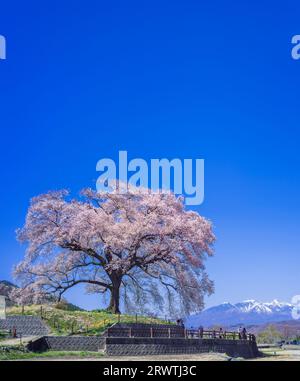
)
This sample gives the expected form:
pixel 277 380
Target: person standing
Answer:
pixel 240 333
pixel 221 333
pixel 201 330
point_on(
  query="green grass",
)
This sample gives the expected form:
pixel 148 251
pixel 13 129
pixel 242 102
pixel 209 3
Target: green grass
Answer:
pixel 22 354
pixel 271 352
pixel 64 322
pixel 3 335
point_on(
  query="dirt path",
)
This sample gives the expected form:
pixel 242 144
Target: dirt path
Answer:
pixel 195 357
pixel 281 355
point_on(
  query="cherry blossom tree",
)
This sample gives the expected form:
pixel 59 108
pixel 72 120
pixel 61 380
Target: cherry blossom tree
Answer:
pixel 134 245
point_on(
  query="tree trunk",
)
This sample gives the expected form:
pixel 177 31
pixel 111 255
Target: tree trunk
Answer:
pixel 114 305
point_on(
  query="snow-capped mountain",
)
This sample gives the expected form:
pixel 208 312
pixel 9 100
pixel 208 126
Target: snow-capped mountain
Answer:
pixel 246 312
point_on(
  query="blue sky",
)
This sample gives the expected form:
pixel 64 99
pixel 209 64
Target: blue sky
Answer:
pixel 85 79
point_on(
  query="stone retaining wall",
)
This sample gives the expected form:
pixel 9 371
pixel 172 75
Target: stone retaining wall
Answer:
pixel 67 343
pixel 25 325
pixel 145 346
pixel 121 346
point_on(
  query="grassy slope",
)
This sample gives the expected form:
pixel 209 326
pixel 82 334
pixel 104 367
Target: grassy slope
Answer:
pixel 62 322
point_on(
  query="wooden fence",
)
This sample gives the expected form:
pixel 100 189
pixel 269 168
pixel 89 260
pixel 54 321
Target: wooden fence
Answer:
pixel 176 332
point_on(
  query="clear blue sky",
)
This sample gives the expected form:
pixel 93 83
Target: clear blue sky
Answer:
pixel 85 79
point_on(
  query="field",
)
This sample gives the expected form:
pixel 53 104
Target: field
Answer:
pixel 286 353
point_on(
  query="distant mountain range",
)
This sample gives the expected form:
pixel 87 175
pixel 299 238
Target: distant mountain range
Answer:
pixel 248 312
pixel 6 287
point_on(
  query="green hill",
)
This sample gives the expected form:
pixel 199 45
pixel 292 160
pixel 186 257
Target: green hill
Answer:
pixel 63 319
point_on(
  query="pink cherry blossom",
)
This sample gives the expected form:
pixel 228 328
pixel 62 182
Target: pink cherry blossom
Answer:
pixel 136 245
